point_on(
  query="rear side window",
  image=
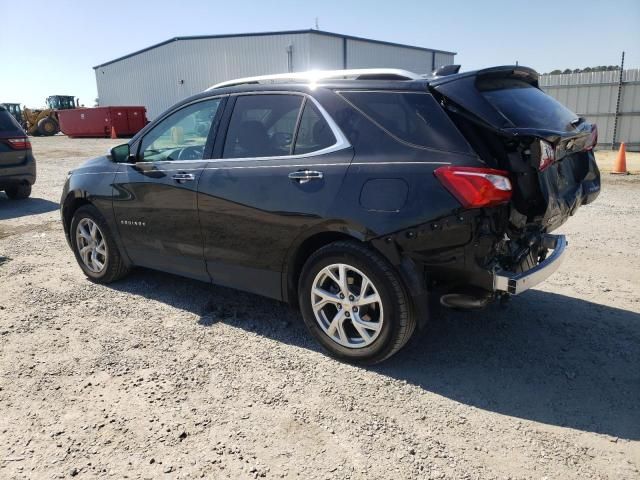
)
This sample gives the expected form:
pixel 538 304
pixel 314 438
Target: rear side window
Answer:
pixel 415 118
pixel 8 123
pixel 314 132
pixel 526 106
pixel 262 126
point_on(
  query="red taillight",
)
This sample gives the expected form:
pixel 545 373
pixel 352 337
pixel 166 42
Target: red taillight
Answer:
pixel 593 139
pixel 20 143
pixel 476 187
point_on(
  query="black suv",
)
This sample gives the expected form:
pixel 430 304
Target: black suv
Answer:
pixel 17 164
pixel 358 195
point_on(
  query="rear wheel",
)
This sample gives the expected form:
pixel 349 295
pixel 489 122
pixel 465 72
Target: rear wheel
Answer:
pixel 48 126
pixel 19 191
pixel 354 303
pixel 94 246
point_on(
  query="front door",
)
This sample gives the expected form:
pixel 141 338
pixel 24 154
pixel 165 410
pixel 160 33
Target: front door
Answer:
pixel 156 205
pixel 281 168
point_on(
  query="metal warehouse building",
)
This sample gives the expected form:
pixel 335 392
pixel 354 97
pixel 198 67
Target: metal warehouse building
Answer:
pixel 162 74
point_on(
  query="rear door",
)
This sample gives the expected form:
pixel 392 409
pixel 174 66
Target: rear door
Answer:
pixel 281 164
pixel 548 148
pixel 155 203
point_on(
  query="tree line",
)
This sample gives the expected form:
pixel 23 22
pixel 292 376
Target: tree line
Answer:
pixel 600 68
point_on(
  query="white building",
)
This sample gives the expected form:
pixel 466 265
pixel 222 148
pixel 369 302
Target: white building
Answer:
pixel 162 74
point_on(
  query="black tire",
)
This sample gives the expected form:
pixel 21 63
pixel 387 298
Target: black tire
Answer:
pixel 19 191
pixel 47 127
pixel 399 321
pixel 114 266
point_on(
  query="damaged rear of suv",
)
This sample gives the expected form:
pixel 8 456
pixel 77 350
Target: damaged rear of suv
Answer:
pixel 516 163
pixel 545 169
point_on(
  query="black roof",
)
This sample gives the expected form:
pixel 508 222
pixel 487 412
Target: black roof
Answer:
pixel 284 32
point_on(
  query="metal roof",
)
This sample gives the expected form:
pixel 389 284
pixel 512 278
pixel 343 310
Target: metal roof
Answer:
pixel 284 32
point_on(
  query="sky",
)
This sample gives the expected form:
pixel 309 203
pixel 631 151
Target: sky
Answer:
pixel 52 46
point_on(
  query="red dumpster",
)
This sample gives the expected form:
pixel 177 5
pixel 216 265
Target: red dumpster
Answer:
pixel 97 122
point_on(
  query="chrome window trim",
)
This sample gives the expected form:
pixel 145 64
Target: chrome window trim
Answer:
pixel 337 164
pixel 288 165
pixel 341 140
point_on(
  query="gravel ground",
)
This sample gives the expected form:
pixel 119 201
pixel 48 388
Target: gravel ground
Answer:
pixel 157 376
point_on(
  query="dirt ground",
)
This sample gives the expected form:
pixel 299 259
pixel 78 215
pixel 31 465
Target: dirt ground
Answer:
pixel 157 376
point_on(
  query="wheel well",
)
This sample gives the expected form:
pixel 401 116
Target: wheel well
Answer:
pixel 70 206
pixel 304 251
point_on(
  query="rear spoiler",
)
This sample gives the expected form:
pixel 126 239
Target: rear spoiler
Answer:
pixel 526 74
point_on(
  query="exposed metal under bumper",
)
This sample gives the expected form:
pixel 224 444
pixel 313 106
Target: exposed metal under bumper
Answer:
pixel 515 283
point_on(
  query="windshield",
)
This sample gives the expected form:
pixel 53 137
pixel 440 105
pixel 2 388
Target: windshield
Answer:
pixel 526 106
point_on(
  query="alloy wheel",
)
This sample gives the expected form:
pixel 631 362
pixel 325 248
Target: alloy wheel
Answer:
pixel 347 305
pixel 91 244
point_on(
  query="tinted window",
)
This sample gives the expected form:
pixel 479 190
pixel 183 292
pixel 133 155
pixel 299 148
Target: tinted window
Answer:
pixel 182 135
pixel 415 118
pixel 314 132
pixel 526 106
pixel 7 122
pixel 262 126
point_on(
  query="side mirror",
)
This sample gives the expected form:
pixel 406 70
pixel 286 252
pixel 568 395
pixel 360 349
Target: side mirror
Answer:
pixel 121 153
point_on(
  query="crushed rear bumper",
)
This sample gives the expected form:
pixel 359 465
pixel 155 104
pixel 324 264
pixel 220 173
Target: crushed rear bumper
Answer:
pixel 515 283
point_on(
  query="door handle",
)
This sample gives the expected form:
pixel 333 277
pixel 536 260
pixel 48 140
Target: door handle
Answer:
pixel 304 176
pixel 184 177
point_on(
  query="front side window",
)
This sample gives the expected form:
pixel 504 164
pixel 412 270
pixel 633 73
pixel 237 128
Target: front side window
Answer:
pixel 262 126
pixel 314 132
pixel 182 135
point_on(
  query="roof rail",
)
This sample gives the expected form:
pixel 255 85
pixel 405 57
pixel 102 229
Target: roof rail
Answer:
pixel 313 76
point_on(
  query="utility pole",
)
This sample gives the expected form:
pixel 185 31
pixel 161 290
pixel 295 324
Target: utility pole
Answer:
pixel 317 25
pixel 617 114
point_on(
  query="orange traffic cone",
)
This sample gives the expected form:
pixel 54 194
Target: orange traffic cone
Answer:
pixel 113 132
pixel 620 167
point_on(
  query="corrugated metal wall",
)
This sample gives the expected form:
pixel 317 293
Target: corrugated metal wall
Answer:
pixel 362 54
pixel 147 79
pixel 442 58
pixel 594 95
pixel 326 53
pixel 160 76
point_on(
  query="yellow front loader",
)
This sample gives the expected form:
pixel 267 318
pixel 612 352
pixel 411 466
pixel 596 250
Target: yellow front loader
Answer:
pixel 45 122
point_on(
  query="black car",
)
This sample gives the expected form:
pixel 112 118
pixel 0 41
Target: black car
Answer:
pixel 360 196
pixel 17 164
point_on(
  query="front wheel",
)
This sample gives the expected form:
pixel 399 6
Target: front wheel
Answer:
pixel 354 303
pixel 94 247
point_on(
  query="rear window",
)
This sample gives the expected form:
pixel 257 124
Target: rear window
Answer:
pixel 7 122
pixel 412 117
pixel 526 106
